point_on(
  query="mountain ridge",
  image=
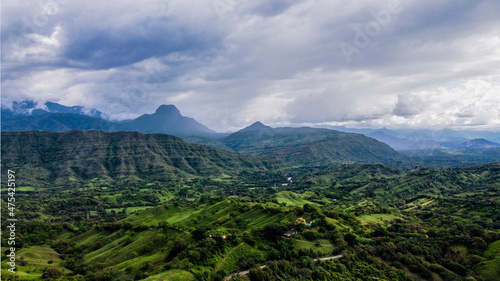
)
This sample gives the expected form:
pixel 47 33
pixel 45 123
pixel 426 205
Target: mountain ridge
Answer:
pixel 307 146
pixel 80 156
pixel 167 119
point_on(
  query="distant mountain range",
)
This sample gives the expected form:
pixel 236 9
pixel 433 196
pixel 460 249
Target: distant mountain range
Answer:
pixel 415 135
pixel 307 146
pixel 421 142
pixel 28 115
pixel 302 146
pixel 167 119
pixel 294 146
pixel 31 108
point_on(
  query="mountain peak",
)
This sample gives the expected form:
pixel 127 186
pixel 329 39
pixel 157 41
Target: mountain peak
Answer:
pixel 167 120
pixel 170 109
pixel 257 126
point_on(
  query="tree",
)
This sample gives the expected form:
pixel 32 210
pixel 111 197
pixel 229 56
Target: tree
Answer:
pixel 256 274
pixel 273 231
pixel 51 273
pixel 350 239
pixel 179 245
pixel 300 223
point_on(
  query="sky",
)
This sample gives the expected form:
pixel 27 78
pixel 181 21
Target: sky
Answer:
pixel 429 64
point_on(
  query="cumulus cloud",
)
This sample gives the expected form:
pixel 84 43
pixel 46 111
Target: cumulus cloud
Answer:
pixel 228 63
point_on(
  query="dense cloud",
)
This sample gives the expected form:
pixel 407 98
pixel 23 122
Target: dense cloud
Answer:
pixel 228 63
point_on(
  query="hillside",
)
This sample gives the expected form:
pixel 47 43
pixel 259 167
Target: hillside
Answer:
pixel 311 147
pixel 376 181
pixel 79 156
pixel 55 122
pixel 379 223
pixel 462 157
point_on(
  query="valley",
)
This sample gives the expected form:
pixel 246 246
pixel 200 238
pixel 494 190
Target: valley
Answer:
pixel 261 203
pixel 264 140
pixel 126 206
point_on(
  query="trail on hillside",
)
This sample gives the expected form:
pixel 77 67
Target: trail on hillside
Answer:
pixel 245 272
pixel 219 265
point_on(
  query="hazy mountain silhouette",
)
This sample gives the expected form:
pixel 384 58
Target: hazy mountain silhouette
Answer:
pixel 25 116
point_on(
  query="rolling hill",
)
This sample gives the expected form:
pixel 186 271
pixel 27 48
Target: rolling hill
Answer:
pixel 311 146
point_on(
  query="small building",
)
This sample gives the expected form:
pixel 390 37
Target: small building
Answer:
pixel 309 222
pixel 284 184
pixel 289 233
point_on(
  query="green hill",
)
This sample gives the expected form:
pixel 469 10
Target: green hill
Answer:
pixel 386 224
pixel 79 156
pixel 311 146
pixel 377 181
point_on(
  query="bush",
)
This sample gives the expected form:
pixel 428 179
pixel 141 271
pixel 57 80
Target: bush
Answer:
pixel 51 273
pixel 310 235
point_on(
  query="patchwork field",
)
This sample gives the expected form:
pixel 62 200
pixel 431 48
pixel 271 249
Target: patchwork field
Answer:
pixel 33 261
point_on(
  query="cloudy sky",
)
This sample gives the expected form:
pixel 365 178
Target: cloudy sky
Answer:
pixel 422 64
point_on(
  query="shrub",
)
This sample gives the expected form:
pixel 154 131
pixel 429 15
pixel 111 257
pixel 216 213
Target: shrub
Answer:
pixel 51 273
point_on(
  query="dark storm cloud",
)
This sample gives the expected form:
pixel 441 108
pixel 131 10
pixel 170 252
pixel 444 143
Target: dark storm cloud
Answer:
pixel 230 62
pixel 113 48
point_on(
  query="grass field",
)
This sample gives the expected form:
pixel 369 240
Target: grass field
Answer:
pixel 172 275
pixel 292 199
pixel 323 246
pixel 21 188
pixel 130 210
pixel 118 249
pixel 383 219
pixel 169 214
pixel 422 203
pixel 243 251
pixel 489 268
pixel 32 261
pixel 336 223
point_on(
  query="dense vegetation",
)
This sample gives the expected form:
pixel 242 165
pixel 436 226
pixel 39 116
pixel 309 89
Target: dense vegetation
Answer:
pixel 419 224
pixel 127 206
pixel 310 147
pixel 79 157
pixel 462 157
